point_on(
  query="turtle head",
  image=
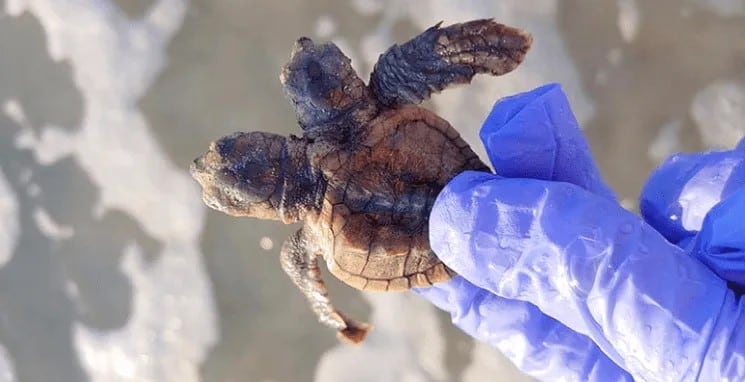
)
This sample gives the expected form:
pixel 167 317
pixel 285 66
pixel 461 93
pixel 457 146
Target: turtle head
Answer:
pixel 322 85
pixel 257 174
pixel 241 174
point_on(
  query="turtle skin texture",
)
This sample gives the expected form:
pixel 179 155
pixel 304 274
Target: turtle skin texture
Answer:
pixel 364 175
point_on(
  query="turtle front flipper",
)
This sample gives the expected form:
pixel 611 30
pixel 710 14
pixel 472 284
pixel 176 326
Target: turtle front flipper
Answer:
pixel 439 57
pixel 302 267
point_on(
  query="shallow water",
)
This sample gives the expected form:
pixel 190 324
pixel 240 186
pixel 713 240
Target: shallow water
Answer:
pixel 111 269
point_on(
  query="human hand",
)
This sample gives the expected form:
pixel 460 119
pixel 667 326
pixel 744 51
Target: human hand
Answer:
pixel 569 285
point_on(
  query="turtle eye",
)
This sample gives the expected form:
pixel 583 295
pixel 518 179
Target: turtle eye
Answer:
pixel 314 70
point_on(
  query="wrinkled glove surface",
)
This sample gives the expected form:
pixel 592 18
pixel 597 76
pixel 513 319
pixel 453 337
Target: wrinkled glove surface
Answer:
pixel 569 285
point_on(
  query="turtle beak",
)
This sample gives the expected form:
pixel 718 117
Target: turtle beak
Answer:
pixel 198 167
pixel 200 171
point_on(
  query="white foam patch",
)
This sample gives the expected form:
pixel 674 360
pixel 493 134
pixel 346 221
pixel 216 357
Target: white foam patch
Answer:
pixel 488 364
pixel 53 143
pixel 719 112
pixel 114 60
pixel 50 228
pixel 380 39
pixel 12 108
pixel 325 27
pixel 8 220
pixel 8 239
pixel 629 18
pixel 666 142
pixel 162 341
pixel 7 372
pixel 722 8
pixel 368 7
pixel 405 345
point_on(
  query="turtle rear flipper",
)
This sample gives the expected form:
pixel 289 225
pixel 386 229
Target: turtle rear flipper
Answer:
pixel 439 57
pixel 302 266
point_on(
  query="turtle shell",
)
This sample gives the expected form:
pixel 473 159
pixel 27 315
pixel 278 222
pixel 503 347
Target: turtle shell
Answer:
pixel 373 224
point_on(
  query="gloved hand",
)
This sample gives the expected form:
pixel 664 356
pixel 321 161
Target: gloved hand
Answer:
pixel 568 284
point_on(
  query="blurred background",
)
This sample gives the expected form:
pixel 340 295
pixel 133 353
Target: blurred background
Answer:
pixel 111 268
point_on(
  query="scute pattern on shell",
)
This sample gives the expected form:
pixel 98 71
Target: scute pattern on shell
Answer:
pixel 374 222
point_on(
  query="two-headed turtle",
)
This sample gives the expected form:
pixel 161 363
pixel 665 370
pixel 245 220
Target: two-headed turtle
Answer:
pixel 364 175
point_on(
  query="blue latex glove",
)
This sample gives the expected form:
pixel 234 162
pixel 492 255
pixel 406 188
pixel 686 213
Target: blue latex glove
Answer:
pixel 571 286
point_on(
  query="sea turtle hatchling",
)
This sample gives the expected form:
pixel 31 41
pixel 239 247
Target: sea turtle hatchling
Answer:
pixel 363 176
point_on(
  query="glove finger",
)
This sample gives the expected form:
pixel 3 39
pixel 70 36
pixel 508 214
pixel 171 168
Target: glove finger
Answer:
pixel 584 261
pixel 537 344
pixel 721 242
pixel 535 135
pixel 679 194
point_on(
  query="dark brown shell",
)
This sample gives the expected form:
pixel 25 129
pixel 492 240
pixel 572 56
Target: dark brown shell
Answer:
pixel 373 226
